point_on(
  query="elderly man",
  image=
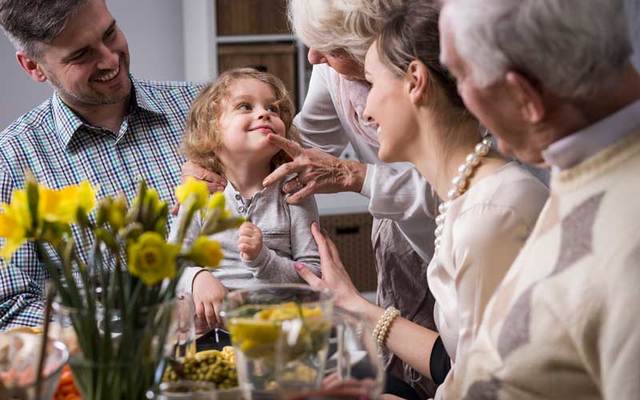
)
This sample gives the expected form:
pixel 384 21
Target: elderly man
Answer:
pixel 101 124
pixel 553 81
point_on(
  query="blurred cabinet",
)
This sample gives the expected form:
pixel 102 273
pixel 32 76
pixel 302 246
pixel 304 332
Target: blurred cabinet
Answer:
pixel 251 17
pixel 352 235
pixel 224 34
pixel 279 59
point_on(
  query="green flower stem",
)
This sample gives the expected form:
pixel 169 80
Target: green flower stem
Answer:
pixel 50 293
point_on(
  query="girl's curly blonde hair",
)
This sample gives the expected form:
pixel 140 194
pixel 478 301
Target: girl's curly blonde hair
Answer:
pixel 202 137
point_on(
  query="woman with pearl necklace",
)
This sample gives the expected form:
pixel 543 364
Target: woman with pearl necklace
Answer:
pixel 488 206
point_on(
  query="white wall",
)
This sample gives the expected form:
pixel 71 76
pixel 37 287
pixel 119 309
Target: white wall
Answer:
pixel 153 29
pixel 155 34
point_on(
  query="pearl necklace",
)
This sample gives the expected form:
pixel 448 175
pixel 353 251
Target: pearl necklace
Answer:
pixel 460 183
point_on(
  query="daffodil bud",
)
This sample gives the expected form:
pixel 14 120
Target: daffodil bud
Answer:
pixel 117 212
pixel 216 201
pixel 102 213
pixel 205 252
pixel 192 188
pixel 106 237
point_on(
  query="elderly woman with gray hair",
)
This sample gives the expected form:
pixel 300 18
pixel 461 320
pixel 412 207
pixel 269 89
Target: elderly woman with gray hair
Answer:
pixel 338 34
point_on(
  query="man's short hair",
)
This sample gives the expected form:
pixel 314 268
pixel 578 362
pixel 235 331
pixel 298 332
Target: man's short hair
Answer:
pixel 574 48
pixel 27 23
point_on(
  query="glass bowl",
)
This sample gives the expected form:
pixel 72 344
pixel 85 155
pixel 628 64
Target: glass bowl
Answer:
pixel 19 351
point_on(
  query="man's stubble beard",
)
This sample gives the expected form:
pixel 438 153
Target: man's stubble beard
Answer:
pixel 95 99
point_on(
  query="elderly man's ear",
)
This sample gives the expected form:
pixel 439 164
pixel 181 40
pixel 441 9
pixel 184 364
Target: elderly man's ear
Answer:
pixel 31 67
pixel 417 81
pixel 525 96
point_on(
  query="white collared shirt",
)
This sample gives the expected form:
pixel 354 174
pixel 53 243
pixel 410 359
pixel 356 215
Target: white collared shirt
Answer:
pixel 577 147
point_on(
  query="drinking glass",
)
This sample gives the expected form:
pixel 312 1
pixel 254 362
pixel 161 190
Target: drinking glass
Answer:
pixel 181 339
pixel 19 355
pixel 280 336
pixel 353 362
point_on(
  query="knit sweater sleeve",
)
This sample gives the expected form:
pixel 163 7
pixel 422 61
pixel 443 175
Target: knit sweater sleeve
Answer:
pixel 618 340
pixel 273 267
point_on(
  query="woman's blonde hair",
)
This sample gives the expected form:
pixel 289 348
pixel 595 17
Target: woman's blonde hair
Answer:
pixel 412 33
pixel 349 25
pixel 202 137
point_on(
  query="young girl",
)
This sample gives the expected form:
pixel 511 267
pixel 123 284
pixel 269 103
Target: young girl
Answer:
pixel 226 132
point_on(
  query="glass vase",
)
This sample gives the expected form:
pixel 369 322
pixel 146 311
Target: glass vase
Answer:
pixel 115 354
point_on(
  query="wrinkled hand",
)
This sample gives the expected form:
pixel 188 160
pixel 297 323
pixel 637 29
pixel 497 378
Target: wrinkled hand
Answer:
pixel 249 241
pixel 215 182
pixel 207 294
pixel 318 172
pixel 334 275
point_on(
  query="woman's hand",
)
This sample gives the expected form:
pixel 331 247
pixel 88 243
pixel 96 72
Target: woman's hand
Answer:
pixel 207 293
pixel 341 389
pixel 215 182
pixel 334 276
pixel 318 172
pixel 249 241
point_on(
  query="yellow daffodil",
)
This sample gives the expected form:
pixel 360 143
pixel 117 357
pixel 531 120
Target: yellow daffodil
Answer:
pixel 64 204
pixel 216 201
pixel 152 201
pixel 195 188
pixel 19 209
pixel 13 233
pixel 152 259
pixel 86 193
pixel 15 223
pixel 206 252
pixel 112 211
pixel 255 338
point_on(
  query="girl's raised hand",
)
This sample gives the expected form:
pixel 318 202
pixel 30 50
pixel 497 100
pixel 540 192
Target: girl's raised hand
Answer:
pixel 249 241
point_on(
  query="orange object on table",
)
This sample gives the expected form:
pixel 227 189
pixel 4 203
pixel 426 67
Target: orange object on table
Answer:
pixel 67 389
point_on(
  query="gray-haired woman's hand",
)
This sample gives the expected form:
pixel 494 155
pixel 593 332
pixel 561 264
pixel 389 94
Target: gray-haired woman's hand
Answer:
pixel 317 172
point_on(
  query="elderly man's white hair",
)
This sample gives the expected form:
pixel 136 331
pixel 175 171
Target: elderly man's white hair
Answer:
pixel 575 48
pixel 350 25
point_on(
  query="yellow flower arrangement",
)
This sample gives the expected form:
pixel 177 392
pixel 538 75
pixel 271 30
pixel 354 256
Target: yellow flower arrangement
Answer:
pixel 131 271
pixel 64 205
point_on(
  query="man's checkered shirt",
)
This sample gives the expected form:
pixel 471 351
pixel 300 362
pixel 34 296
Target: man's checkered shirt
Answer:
pixel 61 149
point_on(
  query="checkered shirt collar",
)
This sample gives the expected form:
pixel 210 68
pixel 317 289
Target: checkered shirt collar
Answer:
pixel 68 123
